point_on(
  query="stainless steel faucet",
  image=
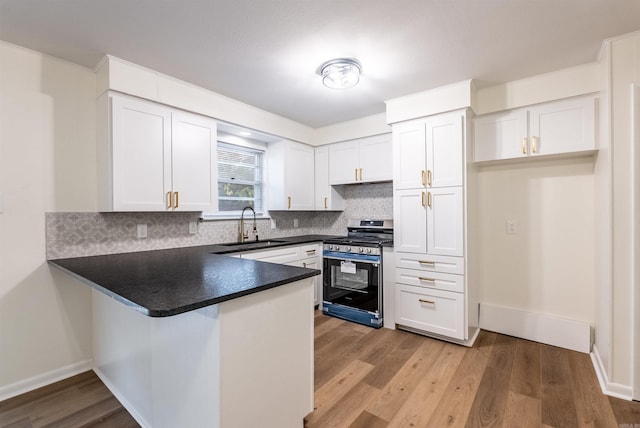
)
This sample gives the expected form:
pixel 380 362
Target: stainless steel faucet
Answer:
pixel 245 235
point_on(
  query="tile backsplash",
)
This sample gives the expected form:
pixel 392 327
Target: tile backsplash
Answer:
pixel 77 234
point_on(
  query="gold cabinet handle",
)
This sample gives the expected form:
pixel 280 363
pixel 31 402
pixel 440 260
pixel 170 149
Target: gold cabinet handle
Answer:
pixel 288 202
pixel 429 177
pixel 423 199
pixel 325 203
pixel 424 181
pixel 169 200
pixel 311 252
pixel 422 278
pixel 356 171
pixel 429 199
pixel 524 146
pixel 360 174
pixel 430 302
pixel 425 262
pixel 534 149
pixel 175 200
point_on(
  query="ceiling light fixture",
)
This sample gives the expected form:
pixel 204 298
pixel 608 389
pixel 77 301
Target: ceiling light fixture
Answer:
pixel 340 73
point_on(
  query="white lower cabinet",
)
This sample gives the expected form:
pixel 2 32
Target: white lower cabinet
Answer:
pixel 305 255
pixel 431 310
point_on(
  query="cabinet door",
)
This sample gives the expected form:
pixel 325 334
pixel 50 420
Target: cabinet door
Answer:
pixel 562 127
pixel 326 196
pixel 141 150
pixel 444 150
pixel 409 156
pixel 344 163
pixel 299 176
pixel 314 263
pixel 445 221
pixel 376 154
pixel 194 177
pixel 409 213
pixel 500 136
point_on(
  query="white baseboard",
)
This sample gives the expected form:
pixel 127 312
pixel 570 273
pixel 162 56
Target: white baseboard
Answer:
pixel 564 333
pixel 609 388
pixel 125 403
pixel 44 379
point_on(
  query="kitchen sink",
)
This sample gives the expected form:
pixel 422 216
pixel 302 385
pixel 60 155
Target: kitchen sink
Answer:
pixel 264 243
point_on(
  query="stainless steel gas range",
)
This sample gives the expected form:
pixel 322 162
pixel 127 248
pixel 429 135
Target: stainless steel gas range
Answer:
pixel 352 272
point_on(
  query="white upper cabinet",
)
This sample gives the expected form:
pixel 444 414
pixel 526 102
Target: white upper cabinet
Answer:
pixel 365 160
pixel 444 150
pixel 409 155
pixel 153 158
pixel 194 162
pixel 558 127
pixel 327 197
pixel 290 176
pixel 428 153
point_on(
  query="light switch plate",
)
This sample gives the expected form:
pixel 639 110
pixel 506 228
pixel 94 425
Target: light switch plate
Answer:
pixel 193 227
pixel 273 223
pixel 512 227
pixel 295 222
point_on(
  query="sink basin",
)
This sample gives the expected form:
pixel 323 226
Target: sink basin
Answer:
pixel 264 243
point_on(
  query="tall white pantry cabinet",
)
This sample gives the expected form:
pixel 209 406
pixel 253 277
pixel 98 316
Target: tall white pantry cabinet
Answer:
pixel 434 293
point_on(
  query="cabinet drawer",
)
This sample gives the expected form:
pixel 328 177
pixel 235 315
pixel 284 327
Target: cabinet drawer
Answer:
pixel 310 250
pixel 444 264
pixel 438 280
pixel 431 311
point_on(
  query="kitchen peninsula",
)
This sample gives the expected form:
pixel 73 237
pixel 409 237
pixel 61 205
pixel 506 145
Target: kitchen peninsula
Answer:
pixel 191 337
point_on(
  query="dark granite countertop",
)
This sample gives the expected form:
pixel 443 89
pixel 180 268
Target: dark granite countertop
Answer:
pixel 168 282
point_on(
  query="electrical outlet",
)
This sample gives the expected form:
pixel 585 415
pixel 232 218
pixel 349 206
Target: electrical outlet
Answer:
pixel 193 227
pixel 295 222
pixel 142 231
pixel 512 227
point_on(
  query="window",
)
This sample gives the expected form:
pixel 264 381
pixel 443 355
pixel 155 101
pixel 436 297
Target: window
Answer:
pixel 239 178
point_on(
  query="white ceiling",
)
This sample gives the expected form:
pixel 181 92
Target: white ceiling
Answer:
pixel 266 52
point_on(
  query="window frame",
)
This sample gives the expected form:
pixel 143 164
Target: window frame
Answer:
pixel 253 146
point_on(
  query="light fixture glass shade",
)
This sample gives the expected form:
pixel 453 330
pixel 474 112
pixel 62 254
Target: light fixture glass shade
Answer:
pixel 340 73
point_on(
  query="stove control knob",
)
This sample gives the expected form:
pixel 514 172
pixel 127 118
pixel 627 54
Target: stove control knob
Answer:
pixel 369 250
pixel 337 247
pixel 360 250
pixel 348 248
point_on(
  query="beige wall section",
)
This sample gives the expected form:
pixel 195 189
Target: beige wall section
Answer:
pixel 47 163
pixel 546 266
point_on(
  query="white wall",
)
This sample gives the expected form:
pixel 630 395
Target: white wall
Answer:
pixel 47 163
pixel 547 267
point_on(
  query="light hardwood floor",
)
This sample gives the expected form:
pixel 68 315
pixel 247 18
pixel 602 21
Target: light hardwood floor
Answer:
pixel 383 378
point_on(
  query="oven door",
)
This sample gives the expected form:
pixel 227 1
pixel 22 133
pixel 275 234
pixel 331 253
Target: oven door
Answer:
pixel 352 280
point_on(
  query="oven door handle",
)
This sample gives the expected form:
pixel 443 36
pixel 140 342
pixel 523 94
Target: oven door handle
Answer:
pixel 368 259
